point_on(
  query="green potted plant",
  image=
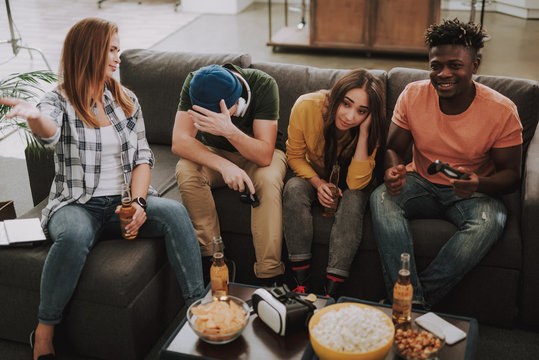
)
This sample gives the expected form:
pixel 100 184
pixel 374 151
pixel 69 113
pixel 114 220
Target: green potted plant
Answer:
pixel 39 160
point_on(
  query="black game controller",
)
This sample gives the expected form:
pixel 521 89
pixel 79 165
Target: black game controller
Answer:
pixel 447 170
pixel 248 198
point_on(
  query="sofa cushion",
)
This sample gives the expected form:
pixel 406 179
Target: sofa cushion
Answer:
pixel 163 172
pixel 114 273
pixel 157 77
pixel 296 80
pixel 524 93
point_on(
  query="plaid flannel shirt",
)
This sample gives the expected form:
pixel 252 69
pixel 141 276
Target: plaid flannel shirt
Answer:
pixel 77 155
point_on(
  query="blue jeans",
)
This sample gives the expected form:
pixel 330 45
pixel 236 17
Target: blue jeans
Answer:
pixel 76 228
pixel 479 220
pixel 346 232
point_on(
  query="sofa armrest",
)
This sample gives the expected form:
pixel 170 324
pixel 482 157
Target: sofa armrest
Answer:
pixel 530 235
pixel 36 210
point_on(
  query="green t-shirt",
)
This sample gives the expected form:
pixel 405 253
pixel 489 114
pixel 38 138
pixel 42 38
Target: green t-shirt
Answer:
pixel 264 105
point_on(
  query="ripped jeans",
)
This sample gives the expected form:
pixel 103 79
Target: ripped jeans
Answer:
pixel 346 231
pixel 480 221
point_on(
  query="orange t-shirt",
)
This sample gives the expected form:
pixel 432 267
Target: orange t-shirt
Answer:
pixel 491 121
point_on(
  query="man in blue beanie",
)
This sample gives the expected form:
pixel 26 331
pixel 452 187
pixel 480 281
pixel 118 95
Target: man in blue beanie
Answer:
pixel 226 133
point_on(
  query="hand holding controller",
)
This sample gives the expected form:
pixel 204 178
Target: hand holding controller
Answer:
pixel 447 170
pixel 248 198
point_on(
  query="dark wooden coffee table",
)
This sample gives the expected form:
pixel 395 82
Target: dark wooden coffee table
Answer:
pixel 257 341
pixel 463 350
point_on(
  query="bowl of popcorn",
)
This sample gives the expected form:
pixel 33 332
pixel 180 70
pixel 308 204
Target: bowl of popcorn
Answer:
pixel 418 344
pixel 218 321
pixel 347 331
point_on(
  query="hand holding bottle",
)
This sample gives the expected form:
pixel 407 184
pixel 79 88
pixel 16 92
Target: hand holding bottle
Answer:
pixel 137 219
pixel 330 205
pixel 132 216
pixel 325 194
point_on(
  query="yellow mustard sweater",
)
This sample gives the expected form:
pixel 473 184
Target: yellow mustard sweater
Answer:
pixel 305 144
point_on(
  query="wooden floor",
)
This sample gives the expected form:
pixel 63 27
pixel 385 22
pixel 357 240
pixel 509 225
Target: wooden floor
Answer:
pixel 512 50
pixel 43 24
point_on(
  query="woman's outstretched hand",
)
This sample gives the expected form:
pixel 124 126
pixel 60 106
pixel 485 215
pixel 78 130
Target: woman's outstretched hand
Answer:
pixel 21 108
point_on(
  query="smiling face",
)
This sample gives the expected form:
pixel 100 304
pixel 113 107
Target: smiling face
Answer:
pixel 353 109
pixel 113 58
pixel 451 70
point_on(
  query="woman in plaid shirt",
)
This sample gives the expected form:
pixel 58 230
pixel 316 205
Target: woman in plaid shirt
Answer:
pixel 96 128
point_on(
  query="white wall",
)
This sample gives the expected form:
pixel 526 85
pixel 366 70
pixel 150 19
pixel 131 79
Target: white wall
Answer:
pixel 290 2
pixel 527 9
pixel 215 6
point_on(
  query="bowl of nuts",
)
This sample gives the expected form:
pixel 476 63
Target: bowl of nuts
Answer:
pixel 420 344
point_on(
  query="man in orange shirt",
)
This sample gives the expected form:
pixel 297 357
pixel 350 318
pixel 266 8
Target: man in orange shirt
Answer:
pixel 471 127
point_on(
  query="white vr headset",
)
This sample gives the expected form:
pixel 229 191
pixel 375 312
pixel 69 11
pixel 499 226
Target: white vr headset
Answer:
pixel 242 104
pixel 282 310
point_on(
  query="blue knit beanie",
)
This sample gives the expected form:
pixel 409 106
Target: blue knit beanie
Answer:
pixel 212 83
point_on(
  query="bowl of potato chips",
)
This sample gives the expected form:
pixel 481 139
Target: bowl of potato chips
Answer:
pixel 218 321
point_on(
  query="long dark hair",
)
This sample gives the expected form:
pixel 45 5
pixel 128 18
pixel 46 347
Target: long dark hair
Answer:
pixel 358 78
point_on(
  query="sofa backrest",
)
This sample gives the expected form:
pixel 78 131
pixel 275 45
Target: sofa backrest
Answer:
pixel 296 80
pixel 157 77
pixel 524 93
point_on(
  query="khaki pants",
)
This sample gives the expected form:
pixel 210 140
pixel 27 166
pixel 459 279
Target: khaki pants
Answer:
pixel 196 181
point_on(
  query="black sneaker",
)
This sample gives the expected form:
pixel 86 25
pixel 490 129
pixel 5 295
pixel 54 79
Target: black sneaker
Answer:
pixel 302 279
pixel 332 288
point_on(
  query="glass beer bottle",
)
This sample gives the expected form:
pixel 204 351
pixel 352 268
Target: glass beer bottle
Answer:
pixel 334 184
pixel 126 212
pixel 403 293
pixel 219 270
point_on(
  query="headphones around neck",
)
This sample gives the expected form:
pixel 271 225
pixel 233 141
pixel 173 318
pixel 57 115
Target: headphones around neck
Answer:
pixel 242 104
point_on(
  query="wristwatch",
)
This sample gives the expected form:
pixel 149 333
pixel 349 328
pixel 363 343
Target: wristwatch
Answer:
pixel 141 201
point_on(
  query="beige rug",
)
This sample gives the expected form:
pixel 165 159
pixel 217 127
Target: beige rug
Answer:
pixel 44 23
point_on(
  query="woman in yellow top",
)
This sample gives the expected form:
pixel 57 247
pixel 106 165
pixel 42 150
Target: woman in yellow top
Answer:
pixel 341 126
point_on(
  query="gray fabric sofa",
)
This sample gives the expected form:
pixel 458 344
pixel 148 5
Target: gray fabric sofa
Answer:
pixel 127 293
